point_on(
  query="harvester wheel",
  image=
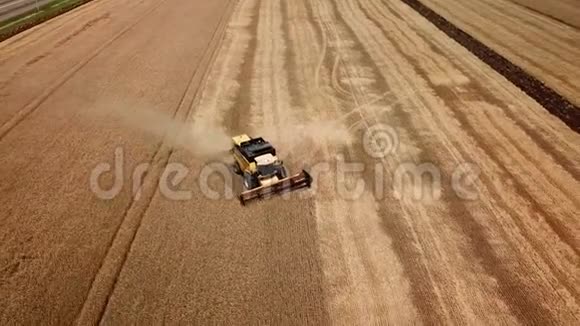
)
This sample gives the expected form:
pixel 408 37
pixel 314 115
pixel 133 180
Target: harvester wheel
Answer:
pixel 237 169
pixel 282 174
pixel 250 181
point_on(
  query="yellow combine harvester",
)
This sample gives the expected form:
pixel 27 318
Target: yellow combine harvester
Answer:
pixel 263 174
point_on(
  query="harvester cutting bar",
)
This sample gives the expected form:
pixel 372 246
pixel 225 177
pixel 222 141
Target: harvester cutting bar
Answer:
pixel 298 181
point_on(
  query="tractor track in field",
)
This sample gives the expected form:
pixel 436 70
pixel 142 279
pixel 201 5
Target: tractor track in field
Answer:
pixel 37 102
pixel 162 154
pixel 184 106
pixel 20 42
pixel 236 115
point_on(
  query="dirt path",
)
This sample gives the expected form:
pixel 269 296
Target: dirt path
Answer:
pixel 489 233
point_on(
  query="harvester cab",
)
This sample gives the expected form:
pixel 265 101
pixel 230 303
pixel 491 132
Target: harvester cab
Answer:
pixel 262 172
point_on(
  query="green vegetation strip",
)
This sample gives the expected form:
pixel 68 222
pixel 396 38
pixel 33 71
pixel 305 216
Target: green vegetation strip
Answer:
pixel 20 23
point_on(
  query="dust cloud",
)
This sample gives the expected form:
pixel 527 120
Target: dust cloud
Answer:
pixel 307 137
pixel 204 141
pixel 207 141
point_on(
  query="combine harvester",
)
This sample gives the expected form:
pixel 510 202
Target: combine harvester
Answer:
pixel 264 175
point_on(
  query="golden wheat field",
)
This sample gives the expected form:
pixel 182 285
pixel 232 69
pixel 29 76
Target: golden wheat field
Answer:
pixel 443 192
